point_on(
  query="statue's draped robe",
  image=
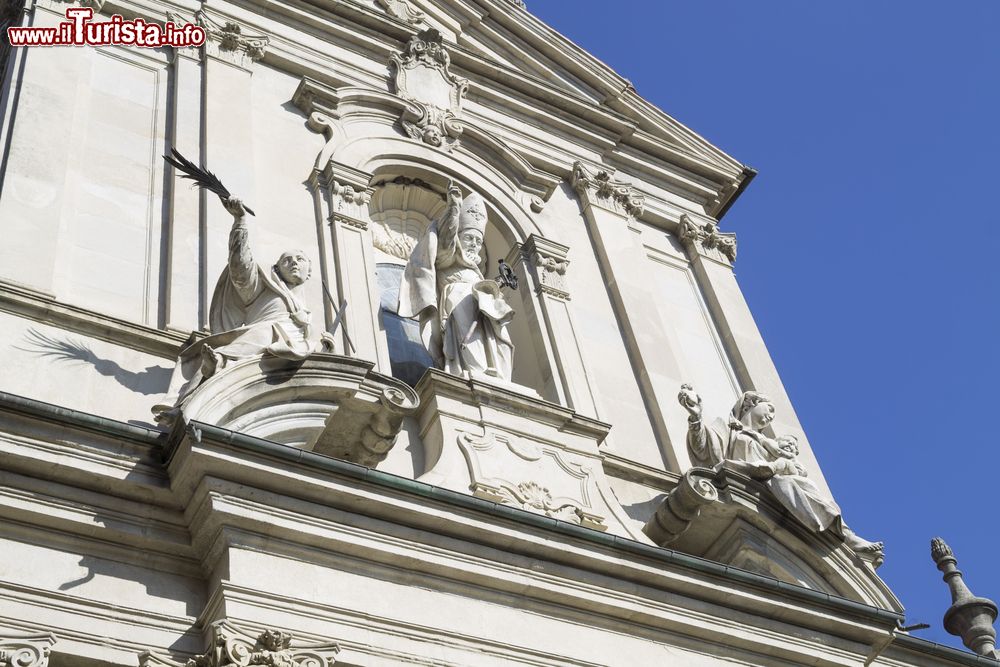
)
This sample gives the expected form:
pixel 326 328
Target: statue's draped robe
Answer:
pixel 463 318
pixel 731 440
pixel 253 312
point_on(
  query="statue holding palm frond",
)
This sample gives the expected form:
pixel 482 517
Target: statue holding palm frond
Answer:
pixel 255 310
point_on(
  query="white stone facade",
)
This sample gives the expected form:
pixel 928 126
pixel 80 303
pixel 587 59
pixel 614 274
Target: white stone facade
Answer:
pixel 324 510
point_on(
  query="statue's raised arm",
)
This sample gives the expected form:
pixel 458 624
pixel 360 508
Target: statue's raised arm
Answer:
pixel 463 318
pixel 255 311
pixel 706 448
pixel 744 440
pixel 243 272
pixel 448 226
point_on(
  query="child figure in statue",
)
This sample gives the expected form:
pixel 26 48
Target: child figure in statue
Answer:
pixel 742 439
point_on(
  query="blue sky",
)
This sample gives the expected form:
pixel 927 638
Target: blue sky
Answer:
pixel 867 243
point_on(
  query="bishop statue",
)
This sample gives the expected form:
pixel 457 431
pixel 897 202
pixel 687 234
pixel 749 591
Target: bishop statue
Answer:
pixel 464 317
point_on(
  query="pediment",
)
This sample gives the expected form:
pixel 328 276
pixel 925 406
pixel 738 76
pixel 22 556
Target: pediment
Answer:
pixel 502 41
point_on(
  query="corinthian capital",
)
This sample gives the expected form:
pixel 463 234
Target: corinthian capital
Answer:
pixel 600 185
pixel 233 647
pixel 227 41
pixel 547 261
pixel 706 239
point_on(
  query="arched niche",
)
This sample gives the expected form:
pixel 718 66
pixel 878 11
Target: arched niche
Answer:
pixel 405 200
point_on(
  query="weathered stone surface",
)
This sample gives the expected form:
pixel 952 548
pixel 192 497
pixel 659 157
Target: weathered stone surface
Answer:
pixel 968 617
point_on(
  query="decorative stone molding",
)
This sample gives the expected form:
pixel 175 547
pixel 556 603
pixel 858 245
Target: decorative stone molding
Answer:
pixel 969 617
pixel 366 437
pixel 547 262
pixel 421 75
pixel 233 647
pixel 401 209
pixel 518 3
pixel 601 185
pixel 507 444
pixel 403 10
pixel 331 404
pixel 27 651
pixel 226 41
pixel 706 239
pixel 681 506
pixel 96 5
pixel 495 462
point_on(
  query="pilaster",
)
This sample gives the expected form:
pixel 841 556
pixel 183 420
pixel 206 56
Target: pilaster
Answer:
pixel 611 207
pixel 544 263
pixel 354 261
pixel 229 56
pixel 186 308
pixel 711 254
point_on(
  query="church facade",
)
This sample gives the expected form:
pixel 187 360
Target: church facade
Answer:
pixel 440 361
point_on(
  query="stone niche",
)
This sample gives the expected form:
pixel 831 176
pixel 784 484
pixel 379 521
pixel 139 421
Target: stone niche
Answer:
pixel 328 404
pixel 503 445
pixel 401 209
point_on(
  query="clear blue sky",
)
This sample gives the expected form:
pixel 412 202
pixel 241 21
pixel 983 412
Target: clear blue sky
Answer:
pixel 867 243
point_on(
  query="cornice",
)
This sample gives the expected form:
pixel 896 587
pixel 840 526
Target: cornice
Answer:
pixel 46 309
pixel 490 75
pixel 204 453
pixel 599 128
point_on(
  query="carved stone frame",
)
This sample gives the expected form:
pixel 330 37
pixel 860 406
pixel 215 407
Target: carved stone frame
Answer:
pixel 426 119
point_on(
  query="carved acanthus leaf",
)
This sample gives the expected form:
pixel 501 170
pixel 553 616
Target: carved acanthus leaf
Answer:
pixel 707 239
pixel 604 187
pixel 232 647
pixel 421 75
pixel 534 497
pixel 360 435
pixel 530 481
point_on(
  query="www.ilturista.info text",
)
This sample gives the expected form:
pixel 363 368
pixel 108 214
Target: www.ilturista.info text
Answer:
pixel 80 30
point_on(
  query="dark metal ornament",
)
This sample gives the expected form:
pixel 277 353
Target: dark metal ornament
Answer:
pixel 507 277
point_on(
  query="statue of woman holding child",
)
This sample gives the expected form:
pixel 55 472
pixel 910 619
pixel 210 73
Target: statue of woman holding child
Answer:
pixel 742 439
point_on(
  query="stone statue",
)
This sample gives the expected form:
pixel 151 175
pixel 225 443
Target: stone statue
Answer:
pixel 463 317
pixel 254 311
pixel 741 439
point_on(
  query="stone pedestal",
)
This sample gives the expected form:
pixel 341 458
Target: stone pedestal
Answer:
pixel 499 444
pixel 333 405
pixel 726 516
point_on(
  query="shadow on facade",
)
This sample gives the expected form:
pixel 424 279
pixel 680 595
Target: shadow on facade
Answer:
pixel 151 381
